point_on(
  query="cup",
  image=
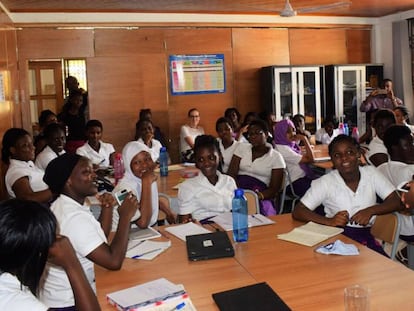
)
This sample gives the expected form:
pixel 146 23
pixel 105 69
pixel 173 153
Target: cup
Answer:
pixel 356 298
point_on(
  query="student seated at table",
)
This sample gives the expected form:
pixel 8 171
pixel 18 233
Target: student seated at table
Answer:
pixel 145 134
pixel 101 154
pixel 377 153
pixel 300 173
pixel 73 178
pixel 140 179
pixel 258 167
pixel 27 240
pixel 348 194
pixel 299 122
pixel 24 180
pixel 400 167
pixel 327 132
pixel 56 139
pixel 234 116
pixel 188 133
pixel 209 193
pixel 226 141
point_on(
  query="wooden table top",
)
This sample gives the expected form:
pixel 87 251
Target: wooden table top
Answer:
pixel 176 174
pixel 304 279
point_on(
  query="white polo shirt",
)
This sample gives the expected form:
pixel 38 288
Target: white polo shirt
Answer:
pixel 227 153
pixel 44 157
pixel 331 191
pixel 100 158
pixel 15 296
pixel 85 233
pixel 198 197
pixel 292 159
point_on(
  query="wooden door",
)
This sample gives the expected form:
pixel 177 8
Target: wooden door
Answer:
pixel 45 87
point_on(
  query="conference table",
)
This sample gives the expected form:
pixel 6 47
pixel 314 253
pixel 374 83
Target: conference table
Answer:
pixel 304 279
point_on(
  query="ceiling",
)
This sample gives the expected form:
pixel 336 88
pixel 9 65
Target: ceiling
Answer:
pixel 358 8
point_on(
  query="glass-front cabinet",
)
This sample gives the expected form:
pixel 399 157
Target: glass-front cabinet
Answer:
pixel 346 87
pixel 288 90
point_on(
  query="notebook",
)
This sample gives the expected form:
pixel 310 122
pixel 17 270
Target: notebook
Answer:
pixel 208 246
pixel 254 297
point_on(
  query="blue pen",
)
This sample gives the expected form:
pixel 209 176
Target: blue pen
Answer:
pixel 146 253
pixel 179 306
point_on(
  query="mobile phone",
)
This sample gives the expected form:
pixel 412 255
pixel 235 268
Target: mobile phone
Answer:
pixel 121 195
pixel 382 92
pixel 404 187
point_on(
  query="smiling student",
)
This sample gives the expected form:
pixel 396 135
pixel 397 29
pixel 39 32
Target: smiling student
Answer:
pixel 73 178
pixel 55 137
pixel 348 194
pixel 210 193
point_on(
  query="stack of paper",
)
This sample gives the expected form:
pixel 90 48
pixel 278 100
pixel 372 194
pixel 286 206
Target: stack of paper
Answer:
pixel 181 231
pixel 310 234
pixel 157 295
pixel 225 220
pixel 138 234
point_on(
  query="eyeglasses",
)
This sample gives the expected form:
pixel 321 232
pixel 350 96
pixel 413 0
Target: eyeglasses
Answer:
pixel 197 116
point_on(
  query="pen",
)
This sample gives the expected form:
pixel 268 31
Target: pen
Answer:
pixel 257 218
pixel 146 253
pixel 135 245
pixel 178 307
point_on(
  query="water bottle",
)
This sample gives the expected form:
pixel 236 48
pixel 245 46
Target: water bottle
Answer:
pixel 341 128
pixel 163 161
pixel 118 167
pixel 355 133
pixel 239 211
pixel 346 129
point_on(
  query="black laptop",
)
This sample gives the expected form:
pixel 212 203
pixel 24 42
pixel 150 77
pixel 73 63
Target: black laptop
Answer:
pixel 208 246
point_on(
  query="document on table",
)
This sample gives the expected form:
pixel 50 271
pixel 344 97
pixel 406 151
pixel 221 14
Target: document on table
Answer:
pixel 225 220
pixel 190 228
pixel 310 234
pixel 146 249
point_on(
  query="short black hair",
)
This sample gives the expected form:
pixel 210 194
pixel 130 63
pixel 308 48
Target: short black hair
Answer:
pixel 222 120
pixel 383 114
pixel 260 123
pixel 93 123
pixel 228 112
pixel 44 115
pixel 208 141
pixel 27 230
pixel 393 134
pixel 52 128
pixel 340 139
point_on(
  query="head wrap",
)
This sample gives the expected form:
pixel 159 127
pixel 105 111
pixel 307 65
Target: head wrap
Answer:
pixel 280 131
pixel 130 150
pixel 59 170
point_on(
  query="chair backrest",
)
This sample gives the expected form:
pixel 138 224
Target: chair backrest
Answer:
pixel 387 228
pixel 165 200
pixel 253 206
pixel 287 182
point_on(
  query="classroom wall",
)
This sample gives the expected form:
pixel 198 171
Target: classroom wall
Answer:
pixel 128 68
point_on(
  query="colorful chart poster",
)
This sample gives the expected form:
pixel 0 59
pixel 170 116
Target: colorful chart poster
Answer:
pixel 197 74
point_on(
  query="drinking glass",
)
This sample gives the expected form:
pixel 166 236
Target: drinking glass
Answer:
pixel 356 298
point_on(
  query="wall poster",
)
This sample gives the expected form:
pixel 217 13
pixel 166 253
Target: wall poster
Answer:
pixel 197 74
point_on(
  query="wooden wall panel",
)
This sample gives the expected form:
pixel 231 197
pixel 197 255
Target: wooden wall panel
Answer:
pixel 358 43
pixel 117 42
pixel 35 43
pixel 119 87
pixel 211 106
pixel 317 46
pixel 253 49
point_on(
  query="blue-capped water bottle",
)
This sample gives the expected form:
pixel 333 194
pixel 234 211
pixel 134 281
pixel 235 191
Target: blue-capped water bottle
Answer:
pixel 239 211
pixel 163 161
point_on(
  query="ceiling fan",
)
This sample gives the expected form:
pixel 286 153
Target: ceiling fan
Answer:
pixel 288 11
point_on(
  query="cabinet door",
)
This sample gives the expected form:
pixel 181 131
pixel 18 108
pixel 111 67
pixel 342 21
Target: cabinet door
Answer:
pixel 350 92
pixel 283 92
pixel 308 96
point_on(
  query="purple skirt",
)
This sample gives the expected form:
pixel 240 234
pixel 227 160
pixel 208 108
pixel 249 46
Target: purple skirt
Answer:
pixel 364 236
pixel 267 207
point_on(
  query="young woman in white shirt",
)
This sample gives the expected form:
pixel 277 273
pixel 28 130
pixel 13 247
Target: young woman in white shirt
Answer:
pixel 349 195
pixel 188 134
pixel 27 240
pixel 24 180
